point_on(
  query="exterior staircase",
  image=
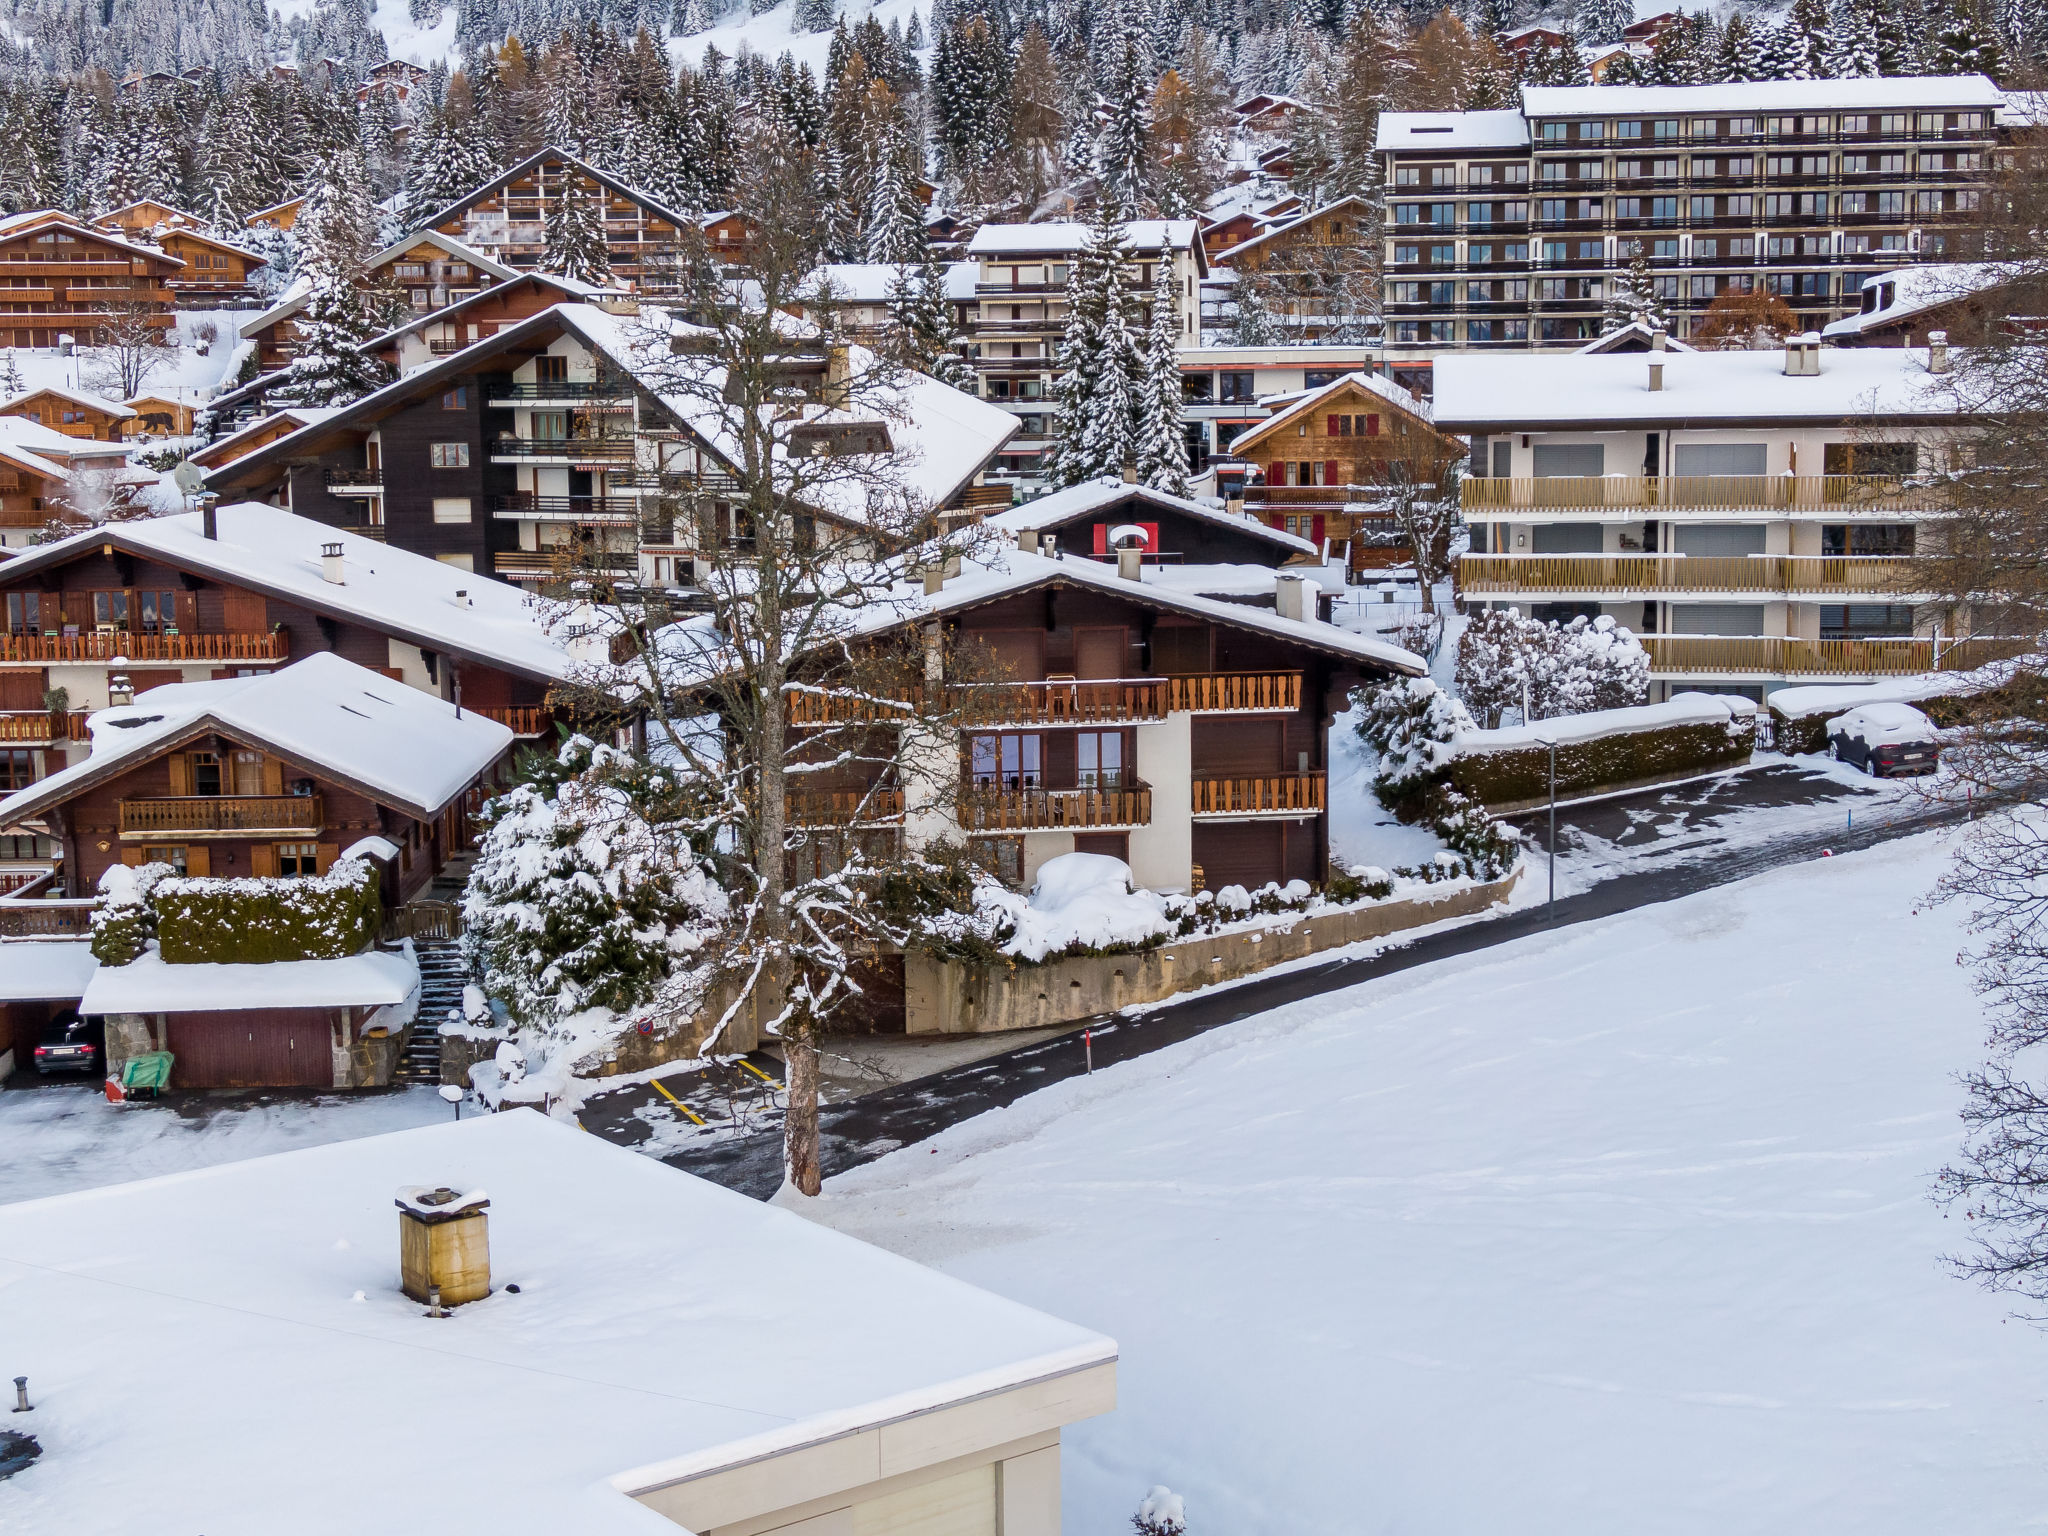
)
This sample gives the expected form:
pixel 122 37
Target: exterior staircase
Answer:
pixel 444 971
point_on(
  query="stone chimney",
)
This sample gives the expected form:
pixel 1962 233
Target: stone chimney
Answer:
pixel 837 391
pixel 1291 600
pixel 1027 540
pixel 1937 351
pixel 1656 378
pixel 444 1245
pixel 1802 356
pixel 462 598
pixel 934 580
pixel 330 565
pixel 1659 339
pixel 1130 474
pixel 1130 561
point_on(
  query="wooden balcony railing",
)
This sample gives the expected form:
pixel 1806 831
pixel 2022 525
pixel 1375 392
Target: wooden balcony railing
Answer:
pixel 60 919
pixel 844 807
pixel 1078 702
pixel 582 449
pixel 565 561
pixel 221 813
pixel 1740 493
pixel 534 721
pixel 992 810
pixel 42 725
pixel 275 646
pixel 1221 693
pixel 1658 575
pixel 1785 656
pixel 1261 796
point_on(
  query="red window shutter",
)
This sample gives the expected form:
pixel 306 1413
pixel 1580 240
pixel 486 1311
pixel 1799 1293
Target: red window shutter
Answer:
pixel 1372 426
pixel 1330 475
pixel 1330 427
pixel 1316 537
pixel 1276 473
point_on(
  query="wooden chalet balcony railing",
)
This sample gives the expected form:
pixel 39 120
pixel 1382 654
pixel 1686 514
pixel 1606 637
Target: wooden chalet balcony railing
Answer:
pixel 547 562
pixel 274 646
pixel 1022 810
pixel 1738 493
pixel 533 721
pixel 222 813
pixel 1657 575
pixel 42 725
pixel 1258 498
pixel 841 807
pixel 581 449
pixel 1261 796
pixel 1080 701
pixel 1785 656
pixel 525 506
pixel 1221 693
pixel 59 919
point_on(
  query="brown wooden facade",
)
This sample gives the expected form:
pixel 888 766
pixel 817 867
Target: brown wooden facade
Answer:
pixel 214 269
pixel 56 273
pixel 72 415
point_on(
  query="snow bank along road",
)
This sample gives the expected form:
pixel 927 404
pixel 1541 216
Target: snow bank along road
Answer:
pixel 879 1122
pixel 1614 1229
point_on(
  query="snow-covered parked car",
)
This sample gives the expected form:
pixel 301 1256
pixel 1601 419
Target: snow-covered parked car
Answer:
pixel 1885 739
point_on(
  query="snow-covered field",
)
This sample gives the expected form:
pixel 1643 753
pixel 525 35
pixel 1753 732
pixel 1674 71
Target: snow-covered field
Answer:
pixel 58 1138
pixel 1622 1229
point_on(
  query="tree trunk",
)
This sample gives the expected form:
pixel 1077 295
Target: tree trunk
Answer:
pixel 800 1123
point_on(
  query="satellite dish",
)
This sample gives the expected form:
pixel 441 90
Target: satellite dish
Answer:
pixel 188 477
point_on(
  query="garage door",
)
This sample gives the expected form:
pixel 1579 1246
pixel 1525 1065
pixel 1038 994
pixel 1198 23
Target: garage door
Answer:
pixel 1246 853
pixel 250 1050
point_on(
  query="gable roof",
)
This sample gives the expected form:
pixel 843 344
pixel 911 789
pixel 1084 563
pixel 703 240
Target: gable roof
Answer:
pixel 572 289
pixel 275 552
pixel 22 435
pixel 1054 237
pixel 1292 224
pixel 400 746
pixel 603 178
pixel 297 415
pixel 1096 496
pixel 1917 289
pixel 447 243
pixel 1292 406
pixel 35 218
pixel 1626 338
pixel 75 396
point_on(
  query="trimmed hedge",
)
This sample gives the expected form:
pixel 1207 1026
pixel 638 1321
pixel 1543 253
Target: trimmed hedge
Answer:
pixel 1523 773
pixel 258 921
pixel 1794 734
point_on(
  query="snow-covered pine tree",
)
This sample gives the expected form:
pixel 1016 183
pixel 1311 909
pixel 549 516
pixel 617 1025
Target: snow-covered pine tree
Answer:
pixel 913 35
pixel 970 103
pixel 896 232
pixel 577 246
pixel 338 224
pixel 1099 383
pixel 1633 296
pixel 812 16
pixel 10 377
pixel 1162 437
pixel 1807 21
pixel 1851 52
pixel 1162 1513
pixel 1602 21
pixel 1742 51
pixel 1958 42
pixel 1122 147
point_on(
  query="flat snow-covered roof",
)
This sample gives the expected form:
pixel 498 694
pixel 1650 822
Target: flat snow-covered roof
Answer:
pixel 1535 393
pixel 251 1365
pixel 1503 129
pixel 1019 239
pixel 373 979
pixel 44 970
pixel 1875 94
pixel 1077 501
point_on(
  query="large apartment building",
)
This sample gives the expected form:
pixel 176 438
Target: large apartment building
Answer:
pixel 1020 312
pixel 1506 229
pixel 1750 515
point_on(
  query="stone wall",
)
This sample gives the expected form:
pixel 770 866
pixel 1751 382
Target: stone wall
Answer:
pixel 950 998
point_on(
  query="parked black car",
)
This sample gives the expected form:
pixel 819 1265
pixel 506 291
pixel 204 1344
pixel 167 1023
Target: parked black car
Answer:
pixel 72 1044
pixel 1885 739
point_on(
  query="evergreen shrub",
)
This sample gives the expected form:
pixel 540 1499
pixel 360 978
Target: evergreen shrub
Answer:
pixel 258 921
pixel 1513 774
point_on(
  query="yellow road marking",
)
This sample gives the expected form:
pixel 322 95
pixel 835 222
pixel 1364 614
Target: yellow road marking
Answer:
pixel 679 1104
pixel 759 1073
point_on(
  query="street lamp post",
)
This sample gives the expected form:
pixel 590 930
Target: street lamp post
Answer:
pixel 1550 741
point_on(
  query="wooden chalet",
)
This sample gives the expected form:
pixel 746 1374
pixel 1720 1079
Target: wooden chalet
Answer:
pixel 506 218
pixel 214 270
pixel 1096 519
pixel 71 412
pixel 280 216
pixel 1324 451
pixel 262 428
pixel 394 78
pixel 56 272
pixel 1290 252
pixel 433 271
pixel 37 464
pixel 159 416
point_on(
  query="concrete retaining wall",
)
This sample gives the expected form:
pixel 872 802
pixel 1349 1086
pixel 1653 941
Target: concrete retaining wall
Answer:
pixel 951 998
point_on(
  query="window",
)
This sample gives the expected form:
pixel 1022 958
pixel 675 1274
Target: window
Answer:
pixel 206 775
pixel 1237 387
pixel 456 399
pixel 451 509
pixel 1407 255
pixel 1002 857
pixel 1866 621
pixel 1100 759
pixel 1407 176
pixel 448 455
pixel 157 612
pixel 1570 459
pixel 110 610
pixel 1718 459
pixel 1554 133
pixel 24 613
pixel 1404 293
pixel 159 854
pixel 1628 130
pixel 1316 378
pixel 1666 128
pixel 405 269
pixel 298 859
pixel 1009 763
pixel 17 768
pixel 1351 426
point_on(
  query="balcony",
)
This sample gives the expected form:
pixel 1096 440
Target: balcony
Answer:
pixel 1064 702
pixel 1722 493
pixel 562 561
pixel 1827 577
pixel 38 726
pixel 568 450
pixel 526 507
pixel 1770 656
pixel 1035 810
pixel 221 815
pixel 447 348
pixel 1235 693
pixel 528 721
pixel 134 648
pixel 558 391
pixel 355 479
pixel 1277 795
pixel 47 919
pixel 844 807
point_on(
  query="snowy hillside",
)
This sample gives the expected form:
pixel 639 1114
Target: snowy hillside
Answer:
pixel 1617 1230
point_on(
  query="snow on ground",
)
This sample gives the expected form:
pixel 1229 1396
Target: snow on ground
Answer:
pixel 65 1138
pixel 1362 831
pixel 1617 1229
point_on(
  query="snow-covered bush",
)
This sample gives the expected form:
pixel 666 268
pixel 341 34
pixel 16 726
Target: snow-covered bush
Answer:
pixel 1413 725
pixel 585 894
pixel 124 922
pixel 1162 1512
pixel 256 921
pixel 1506 661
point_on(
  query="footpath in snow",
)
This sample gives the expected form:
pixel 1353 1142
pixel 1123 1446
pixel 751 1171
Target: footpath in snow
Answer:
pixel 1616 1229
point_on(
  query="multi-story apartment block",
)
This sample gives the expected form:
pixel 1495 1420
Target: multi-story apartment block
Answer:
pixel 1750 515
pixel 1021 311
pixel 1505 229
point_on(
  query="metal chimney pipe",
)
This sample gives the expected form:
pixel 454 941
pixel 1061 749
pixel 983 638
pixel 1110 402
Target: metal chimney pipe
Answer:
pixel 209 516
pixel 331 570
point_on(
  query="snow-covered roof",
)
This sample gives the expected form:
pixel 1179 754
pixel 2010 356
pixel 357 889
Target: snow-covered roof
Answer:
pixel 34 217
pixel 44 970
pixel 287 304
pixel 215 452
pixel 1627 335
pixel 19 432
pixel 1906 291
pixel 1877 93
pixel 248 1330
pixel 1007 572
pixel 1285 227
pixel 75 396
pixel 869 282
pixel 1029 239
pixel 398 744
pixel 1532 393
pixel 1306 402
pixel 570 287
pixel 1503 129
pixel 550 153
pixel 1078 501
pixel 412 597
pixel 445 243
pixel 373 979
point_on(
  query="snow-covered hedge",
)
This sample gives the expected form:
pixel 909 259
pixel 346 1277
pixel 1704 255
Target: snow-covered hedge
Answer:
pixel 1413 726
pixel 1799 716
pixel 199 920
pixel 1693 733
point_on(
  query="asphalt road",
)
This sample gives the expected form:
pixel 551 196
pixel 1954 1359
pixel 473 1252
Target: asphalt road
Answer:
pixel 866 1128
